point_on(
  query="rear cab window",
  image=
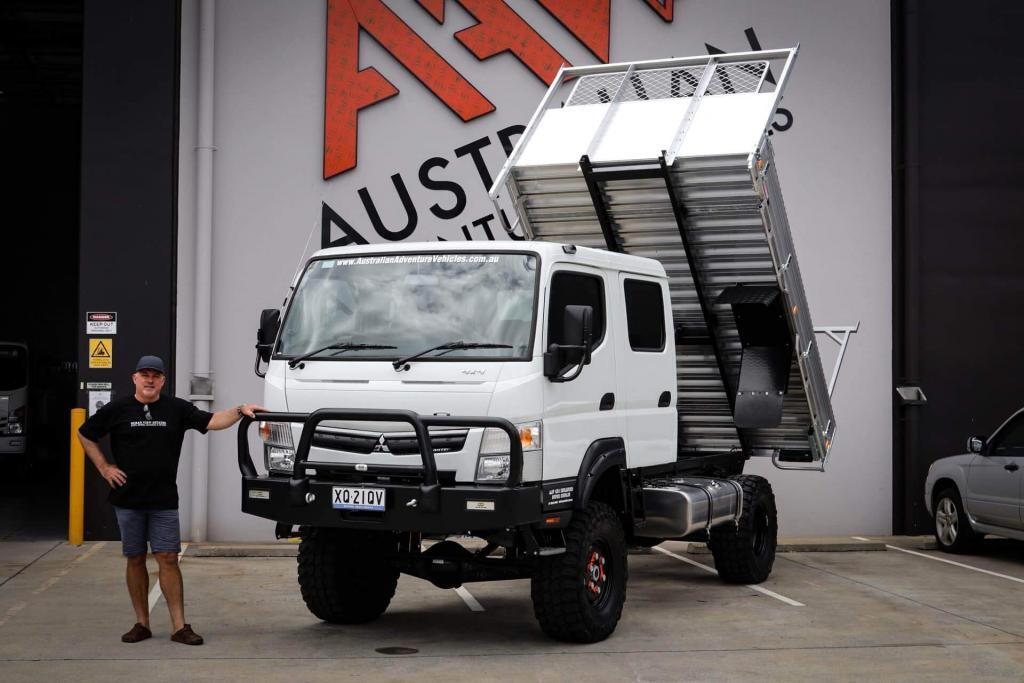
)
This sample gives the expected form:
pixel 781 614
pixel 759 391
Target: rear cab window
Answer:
pixel 645 315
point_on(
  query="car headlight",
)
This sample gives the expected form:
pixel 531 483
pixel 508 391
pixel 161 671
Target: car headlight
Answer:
pixel 278 447
pixel 494 462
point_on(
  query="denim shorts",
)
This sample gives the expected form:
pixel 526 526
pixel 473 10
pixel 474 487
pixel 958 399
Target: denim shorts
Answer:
pixel 159 527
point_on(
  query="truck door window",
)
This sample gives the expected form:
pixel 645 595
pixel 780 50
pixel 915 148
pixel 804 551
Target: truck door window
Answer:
pixel 574 289
pixel 645 315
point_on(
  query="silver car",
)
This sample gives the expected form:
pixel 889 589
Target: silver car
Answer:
pixel 979 492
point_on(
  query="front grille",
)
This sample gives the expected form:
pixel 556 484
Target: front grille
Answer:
pixel 365 444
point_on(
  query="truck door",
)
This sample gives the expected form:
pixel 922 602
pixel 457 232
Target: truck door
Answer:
pixel 994 478
pixel 646 365
pixel 581 411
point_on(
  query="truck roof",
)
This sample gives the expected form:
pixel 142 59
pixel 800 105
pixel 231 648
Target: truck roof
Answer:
pixel 548 251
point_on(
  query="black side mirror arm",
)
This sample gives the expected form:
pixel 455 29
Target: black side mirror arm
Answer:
pixel 266 334
pixel 262 353
pixel 553 362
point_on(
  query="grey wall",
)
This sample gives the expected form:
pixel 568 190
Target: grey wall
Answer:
pixel 834 164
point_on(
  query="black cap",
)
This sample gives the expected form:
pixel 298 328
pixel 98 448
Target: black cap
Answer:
pixel 150 363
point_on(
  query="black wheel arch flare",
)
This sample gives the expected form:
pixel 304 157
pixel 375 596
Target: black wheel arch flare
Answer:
pixel 603 457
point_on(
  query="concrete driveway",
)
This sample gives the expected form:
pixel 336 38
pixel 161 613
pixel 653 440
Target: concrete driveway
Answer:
pixel 883 614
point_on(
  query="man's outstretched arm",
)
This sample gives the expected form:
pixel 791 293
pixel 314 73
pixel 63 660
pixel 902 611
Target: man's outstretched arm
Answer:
pixel 223 419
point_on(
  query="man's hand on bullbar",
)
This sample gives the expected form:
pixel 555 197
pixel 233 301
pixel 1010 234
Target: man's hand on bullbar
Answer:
pixel 114 476
pixel 249 409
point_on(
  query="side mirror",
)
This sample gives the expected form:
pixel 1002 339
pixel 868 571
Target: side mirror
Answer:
pixel 578 332
pixel 270 321
pixel 976 444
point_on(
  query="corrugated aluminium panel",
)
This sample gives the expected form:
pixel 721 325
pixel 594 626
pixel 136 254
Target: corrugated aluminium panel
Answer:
pixel 735 222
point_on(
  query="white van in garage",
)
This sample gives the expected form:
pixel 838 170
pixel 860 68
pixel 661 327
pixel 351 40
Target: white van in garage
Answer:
pixel 13 398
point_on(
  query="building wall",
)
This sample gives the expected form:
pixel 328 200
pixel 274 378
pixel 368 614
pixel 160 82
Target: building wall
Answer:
pixel 270 193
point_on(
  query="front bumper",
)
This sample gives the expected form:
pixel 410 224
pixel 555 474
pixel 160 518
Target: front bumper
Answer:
pixel 12 445
pixel 460 508
pixel 421 506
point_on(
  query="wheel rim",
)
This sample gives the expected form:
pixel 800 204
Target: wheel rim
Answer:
pixel 760 531
pixel 597 574
pixel 947 521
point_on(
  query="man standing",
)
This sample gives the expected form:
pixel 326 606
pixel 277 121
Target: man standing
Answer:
pixel 146 431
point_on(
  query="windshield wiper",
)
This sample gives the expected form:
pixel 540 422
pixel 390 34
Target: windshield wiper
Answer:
pixel 339 347
pixel 450 346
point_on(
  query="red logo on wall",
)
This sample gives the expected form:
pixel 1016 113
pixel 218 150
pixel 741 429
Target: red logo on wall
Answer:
pixel 498 29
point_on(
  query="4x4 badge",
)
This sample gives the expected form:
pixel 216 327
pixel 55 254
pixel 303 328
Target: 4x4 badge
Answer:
pixel 381 446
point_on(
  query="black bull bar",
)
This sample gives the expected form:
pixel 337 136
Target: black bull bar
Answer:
pixel 429 489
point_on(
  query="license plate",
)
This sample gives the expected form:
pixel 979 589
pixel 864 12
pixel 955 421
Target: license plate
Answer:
pixel 357 498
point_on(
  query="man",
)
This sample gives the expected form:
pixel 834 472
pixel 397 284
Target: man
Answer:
pixel 146 431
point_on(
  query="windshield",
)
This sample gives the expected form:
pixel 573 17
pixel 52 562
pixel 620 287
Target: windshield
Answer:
pixel 413 302
pixel 13 368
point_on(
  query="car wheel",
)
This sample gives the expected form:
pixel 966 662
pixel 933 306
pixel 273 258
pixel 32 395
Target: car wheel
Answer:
pixel 953 530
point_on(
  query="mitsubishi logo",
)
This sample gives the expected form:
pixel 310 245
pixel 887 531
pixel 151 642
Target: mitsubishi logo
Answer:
pixel 381 446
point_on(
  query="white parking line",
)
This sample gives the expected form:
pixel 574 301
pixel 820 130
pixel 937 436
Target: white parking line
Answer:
pixel 468 598
pixel 759 589
pixel 154 595
pixel 12 611
pixel 49 583
pixel 956 564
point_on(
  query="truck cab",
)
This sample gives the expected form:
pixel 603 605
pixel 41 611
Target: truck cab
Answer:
pixel 412 297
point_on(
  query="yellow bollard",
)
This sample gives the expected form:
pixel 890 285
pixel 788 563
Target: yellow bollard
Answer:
pixel 76 481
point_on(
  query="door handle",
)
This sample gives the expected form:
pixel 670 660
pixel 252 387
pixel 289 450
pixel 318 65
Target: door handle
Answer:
pixel 607 401
pixel 664 400
pixel 1012 467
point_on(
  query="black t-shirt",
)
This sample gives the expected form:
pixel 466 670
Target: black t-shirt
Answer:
pixel 146 442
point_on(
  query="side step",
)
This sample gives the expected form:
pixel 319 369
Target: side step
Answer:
pixel 681 506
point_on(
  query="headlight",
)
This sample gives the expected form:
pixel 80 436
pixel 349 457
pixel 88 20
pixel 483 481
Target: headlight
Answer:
pixel 278 448
pixel 493 467
pixel 494 462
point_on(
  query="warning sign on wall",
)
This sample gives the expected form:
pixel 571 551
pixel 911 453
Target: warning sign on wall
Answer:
pixel 101 322
pixel 101 353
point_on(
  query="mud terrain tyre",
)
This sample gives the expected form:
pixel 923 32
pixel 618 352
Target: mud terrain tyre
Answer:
pixel 345 576
pixel 578 595
pixel 745 553
pixel 953 531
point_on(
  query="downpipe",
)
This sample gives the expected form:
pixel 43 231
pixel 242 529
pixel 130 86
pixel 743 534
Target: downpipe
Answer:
pixel 201 390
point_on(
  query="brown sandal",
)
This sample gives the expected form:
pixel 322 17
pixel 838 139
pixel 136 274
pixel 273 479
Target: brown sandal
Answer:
pixel 138 632
pixel 187 636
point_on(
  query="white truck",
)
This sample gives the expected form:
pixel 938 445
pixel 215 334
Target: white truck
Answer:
pixel 13 402
pixel 597 385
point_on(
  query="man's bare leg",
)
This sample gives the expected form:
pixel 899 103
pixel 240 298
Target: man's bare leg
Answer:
pixel 137 579
pixel 171 585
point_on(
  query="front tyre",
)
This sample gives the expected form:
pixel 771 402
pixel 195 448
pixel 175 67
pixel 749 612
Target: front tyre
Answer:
pixel 745 553
pixel 578 595
pixel 345 576
pixel 953 530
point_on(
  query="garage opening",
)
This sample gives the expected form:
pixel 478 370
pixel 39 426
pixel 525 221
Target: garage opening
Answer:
pixel 40 124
